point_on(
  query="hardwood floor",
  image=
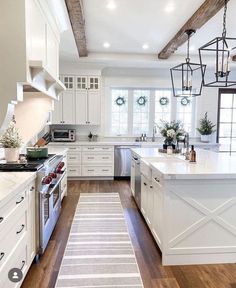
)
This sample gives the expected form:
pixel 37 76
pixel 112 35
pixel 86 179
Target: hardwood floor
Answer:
pixel 44 273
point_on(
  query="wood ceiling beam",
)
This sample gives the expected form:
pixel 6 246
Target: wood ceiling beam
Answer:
pixel 204 13
pixel 75 11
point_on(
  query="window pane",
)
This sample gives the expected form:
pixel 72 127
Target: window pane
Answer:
pixel 226 100
pixel 119 112
pixel 225 115
pixel 141 100
pixel 224 144
pixel 162 106
pixel 184 113
pixel 225 130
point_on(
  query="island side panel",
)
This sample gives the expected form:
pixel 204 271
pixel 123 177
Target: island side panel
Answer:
pixel 200 222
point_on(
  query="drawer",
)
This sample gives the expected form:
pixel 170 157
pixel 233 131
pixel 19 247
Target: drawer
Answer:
pixel 11 208
pixel 12 235
pixel 145 170
pixel 157 177
pixel 97 158
pixel 18 259
pixel 97 171
pixel 73 171
pixel 73 149
pixel 98 148
pixel 74 158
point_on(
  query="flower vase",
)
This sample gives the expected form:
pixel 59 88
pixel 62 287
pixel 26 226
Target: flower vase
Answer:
pixel 11 154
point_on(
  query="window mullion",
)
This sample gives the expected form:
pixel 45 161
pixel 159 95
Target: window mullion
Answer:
pixel 130 112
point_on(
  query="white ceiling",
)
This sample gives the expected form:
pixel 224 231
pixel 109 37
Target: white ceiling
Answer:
pixel 137 22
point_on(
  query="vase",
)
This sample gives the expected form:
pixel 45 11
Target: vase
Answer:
pixel 169 144
pixel 11 154
pixel 205 138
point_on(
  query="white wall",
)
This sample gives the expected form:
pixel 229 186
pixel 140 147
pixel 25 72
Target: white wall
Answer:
pixel 131 77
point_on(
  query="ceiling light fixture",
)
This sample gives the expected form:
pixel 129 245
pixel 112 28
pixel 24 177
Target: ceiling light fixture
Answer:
pixel 221 48
pixel 106 45
pixel 145 46
pixel 111 5
pixel 186 77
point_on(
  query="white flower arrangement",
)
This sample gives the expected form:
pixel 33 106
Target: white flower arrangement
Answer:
pixel 11 137
pixel 171 133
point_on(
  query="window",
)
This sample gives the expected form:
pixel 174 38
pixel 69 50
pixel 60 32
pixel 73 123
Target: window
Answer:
pixel 162 106
pixel 227 120
pixel 141 99
pixel 135 111
pixel 119 112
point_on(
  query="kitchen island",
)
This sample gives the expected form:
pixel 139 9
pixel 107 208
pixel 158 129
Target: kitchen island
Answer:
pixel 190 208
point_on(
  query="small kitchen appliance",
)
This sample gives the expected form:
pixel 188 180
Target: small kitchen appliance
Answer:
pixel 63 135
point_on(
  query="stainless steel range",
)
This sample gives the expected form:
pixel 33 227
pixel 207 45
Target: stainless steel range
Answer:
pixel 50 173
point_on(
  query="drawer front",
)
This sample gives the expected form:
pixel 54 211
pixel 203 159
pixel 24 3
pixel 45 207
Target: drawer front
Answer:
pixel 157 177
pixel 11 236
pixel 145 170
pixel 98 148
pixel 73 149
pixel 97 171
pixel 74 158
pixel 73 171
pixel 102 158
pixel 12 207
pixel 18 259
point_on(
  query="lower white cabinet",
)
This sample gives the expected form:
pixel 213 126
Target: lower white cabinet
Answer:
pixel 157 215
pixel 17 234
pixel 132 178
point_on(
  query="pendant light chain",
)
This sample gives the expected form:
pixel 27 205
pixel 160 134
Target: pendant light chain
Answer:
pixel 224 20
pixel 188 59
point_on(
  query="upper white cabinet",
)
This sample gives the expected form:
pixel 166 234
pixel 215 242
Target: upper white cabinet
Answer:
pixel 81 103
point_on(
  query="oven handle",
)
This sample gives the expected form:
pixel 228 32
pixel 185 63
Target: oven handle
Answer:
pixel 48 195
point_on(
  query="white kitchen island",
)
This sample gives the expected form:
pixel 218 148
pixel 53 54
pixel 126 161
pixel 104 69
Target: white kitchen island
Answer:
pixel 190 208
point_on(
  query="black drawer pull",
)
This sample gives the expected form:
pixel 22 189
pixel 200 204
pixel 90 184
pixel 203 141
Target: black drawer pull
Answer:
pixel 105 157
pixel 90 170
pixel 21 229
pixel 1 219
pixel 145 184
pixel 23 264
pixel 32 188
pixel 105 170
pixel 157 180
pixel 1 255
pixel 21 199
pixel 151 186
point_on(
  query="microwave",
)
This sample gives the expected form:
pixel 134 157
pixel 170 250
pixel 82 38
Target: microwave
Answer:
pixel 63 135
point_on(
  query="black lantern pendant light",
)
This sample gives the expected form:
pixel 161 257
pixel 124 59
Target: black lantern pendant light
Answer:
pixel 187 77
pixel 221 49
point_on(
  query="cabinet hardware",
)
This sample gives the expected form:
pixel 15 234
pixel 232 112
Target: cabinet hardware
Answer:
pixel 1 255
pixel 72 148
pixel 23 264
pixel 90 170
pixel 105 157
pixel 151 186
pixel 21 229
pixel 72 170
pixel 145 184
pixel 72 157
pixel 105 170
pixel 1 219
pixel 157 180
pixel 32 188
pixel 90 157
pixel 18 202
pixel 90 148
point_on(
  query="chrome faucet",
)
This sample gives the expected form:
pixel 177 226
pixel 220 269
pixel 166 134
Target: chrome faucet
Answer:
pixel 186 140
pixel 154 131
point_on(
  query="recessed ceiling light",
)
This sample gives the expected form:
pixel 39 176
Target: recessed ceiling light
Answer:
pixel 111 5
pixel 145 46
pixel 106 45
pixel 169 8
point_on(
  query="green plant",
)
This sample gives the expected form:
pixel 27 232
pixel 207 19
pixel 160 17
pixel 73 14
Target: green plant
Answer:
pixel 11 138
pixel 206 126
pixel 171 130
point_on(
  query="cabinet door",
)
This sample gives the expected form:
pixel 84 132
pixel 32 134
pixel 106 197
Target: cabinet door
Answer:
pixel 94 83
pixel 81 83
pixel 132 178
pixel 81 107
pixel 31 223
pixel 57 112
pixel 68 81
pixel 157 213
pixel 94 108
pixel 68 107
pixel 149 209
pixel 144 188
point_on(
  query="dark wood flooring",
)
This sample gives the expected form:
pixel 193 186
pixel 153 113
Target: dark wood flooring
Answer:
pixel 44 273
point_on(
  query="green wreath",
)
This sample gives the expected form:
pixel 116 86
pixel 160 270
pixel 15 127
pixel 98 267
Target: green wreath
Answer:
pixel 120 101
pixel 164 101
pixel 142 100
pixel 185 101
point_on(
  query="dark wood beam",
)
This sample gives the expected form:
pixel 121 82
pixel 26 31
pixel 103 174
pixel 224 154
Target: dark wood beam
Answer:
pixel 204 13
pixel 75 11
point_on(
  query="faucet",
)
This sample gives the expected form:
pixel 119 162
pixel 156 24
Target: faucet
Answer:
pixel 154 131
pixel 186 140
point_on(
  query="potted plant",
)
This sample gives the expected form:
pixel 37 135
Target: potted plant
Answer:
pixel 171 131
pixel 206 128
pixel 11 142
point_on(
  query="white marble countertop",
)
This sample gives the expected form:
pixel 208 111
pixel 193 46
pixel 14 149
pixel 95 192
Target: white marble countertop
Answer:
pixel 12 182
pixel 209 165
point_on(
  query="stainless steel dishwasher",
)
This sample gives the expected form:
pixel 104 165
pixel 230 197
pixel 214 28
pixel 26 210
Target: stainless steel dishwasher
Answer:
pixel 123 157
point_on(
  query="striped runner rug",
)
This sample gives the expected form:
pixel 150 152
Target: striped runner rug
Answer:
pixel 99 252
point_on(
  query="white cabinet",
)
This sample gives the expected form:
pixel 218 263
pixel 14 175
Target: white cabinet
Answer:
pixel 94 107
pixel 132 178
pixel 81 107
pixel 52 48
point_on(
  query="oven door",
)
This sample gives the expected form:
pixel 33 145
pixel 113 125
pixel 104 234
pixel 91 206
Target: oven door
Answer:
pixel 50 206
pixel 61 135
